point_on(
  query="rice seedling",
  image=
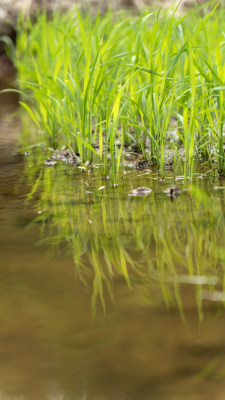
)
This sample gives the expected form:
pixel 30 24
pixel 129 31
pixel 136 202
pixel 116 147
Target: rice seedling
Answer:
pixel 96 85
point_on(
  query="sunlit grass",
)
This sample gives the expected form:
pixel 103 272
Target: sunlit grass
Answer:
pixel 96 85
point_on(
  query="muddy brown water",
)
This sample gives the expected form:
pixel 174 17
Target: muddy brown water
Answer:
pixel 104 296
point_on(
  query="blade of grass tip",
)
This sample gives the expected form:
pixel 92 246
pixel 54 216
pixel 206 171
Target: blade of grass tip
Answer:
pixel 207 18
pixel 84 40
pixel 87 49
pixel 11 90
pixel 182 19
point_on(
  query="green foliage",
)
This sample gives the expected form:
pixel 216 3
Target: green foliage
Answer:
pixel 96 85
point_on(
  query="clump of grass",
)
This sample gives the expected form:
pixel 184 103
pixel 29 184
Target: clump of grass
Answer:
pixel 96 85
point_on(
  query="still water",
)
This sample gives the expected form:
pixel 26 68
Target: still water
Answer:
pixel 103 295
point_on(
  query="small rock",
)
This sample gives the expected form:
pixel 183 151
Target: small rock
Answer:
pixel 140 191
pixel 49 162
pixel 173 191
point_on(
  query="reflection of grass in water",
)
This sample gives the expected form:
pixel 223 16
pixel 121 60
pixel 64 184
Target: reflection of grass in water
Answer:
pixel 149 241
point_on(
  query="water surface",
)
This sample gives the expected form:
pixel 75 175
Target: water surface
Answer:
pixel 104 295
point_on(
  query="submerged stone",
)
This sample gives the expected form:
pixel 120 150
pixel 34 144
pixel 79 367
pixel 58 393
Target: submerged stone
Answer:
pixel 173 191
pixel 49 162
pixel 140 191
